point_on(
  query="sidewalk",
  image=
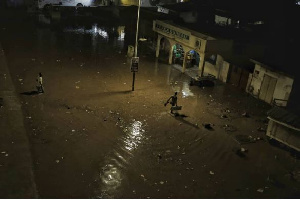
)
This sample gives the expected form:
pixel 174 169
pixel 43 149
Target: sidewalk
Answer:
pixel 16 167
pixel 191 72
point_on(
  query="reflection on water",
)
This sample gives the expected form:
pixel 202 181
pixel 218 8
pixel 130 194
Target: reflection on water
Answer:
pixel 98 35
pixel 186 90
pixel 105 33
pixel 134 136
pixel 111 175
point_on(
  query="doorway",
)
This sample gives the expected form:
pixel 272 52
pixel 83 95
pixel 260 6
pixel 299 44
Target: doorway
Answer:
pixel 267 88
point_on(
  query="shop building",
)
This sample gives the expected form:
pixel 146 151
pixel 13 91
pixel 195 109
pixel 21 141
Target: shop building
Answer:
pixel 188 48
pixel 270 85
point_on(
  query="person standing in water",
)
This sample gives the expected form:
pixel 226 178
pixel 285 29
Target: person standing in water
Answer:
pixel 39 86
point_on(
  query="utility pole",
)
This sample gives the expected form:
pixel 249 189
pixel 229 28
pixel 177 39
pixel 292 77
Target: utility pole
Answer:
pixel 135 60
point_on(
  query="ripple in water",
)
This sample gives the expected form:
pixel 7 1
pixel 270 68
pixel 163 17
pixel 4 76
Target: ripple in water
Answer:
pixel 111 175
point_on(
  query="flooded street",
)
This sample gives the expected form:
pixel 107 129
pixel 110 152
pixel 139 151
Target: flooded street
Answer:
pixel 92 137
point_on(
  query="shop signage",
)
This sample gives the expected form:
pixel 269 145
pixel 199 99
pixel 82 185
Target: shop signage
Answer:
pixel 172 32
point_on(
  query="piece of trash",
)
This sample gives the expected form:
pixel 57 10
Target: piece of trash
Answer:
pixel 57 161
pixel 261 129
pixel 244 150
pixel 161 182
pixel 20 79
pixel 73 130
pixel 260 190
pixel 33 59
pixel 28 117
pixel 124 63
pixel 245 114
pixel 6 154
pixel 77 87
pixel 295 175
pixel 149 80
pixel 57 60
pixel 211 173
pixel 224 116
pixel 207 125
pixel 3 152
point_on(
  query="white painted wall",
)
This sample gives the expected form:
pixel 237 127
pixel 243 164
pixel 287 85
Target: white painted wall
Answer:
pixel 219 70
pixel 283 86
pixel 224 21
pixel 287 136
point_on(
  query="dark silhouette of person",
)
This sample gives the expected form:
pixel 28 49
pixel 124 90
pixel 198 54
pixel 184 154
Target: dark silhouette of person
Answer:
pixel 39 81
pixel 173 101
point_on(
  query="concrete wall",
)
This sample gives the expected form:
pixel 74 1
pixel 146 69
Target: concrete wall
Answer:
pixel 219 70
pixel 224 21
pixel 189 17
pixel 283 86
pixel 220 46
pixel 287 136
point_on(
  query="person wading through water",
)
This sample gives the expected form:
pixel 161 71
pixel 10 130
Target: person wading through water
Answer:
pixel 173 101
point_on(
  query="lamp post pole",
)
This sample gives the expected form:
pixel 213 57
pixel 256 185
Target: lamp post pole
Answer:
pixel 136 41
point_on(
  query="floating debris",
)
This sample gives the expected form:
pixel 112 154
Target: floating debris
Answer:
pixel 295 175
pixel 224 116
pixel 245 114
pixel 208 126
pixel 261 129
pixel 260 190
pixel 211 173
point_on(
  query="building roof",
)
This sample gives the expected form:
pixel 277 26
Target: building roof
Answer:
pixel 284 117
pixel 202 35
pixel 279 68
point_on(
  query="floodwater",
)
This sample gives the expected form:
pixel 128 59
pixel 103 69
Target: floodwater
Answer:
pixel 92 137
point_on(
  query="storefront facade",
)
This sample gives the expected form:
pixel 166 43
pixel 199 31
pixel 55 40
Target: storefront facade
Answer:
pixel 189 40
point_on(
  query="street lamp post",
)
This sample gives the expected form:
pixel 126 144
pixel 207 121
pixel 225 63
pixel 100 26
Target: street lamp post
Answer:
pixel 136 41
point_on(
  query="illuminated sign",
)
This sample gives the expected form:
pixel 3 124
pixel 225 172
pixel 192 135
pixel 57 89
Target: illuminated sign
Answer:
pixel 171 32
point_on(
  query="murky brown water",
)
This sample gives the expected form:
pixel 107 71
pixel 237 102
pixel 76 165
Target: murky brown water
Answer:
pixel 92 137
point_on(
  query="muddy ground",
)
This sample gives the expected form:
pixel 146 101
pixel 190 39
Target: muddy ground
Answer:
pixel 92 137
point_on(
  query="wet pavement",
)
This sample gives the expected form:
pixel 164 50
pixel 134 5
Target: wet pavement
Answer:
pixel 92 137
